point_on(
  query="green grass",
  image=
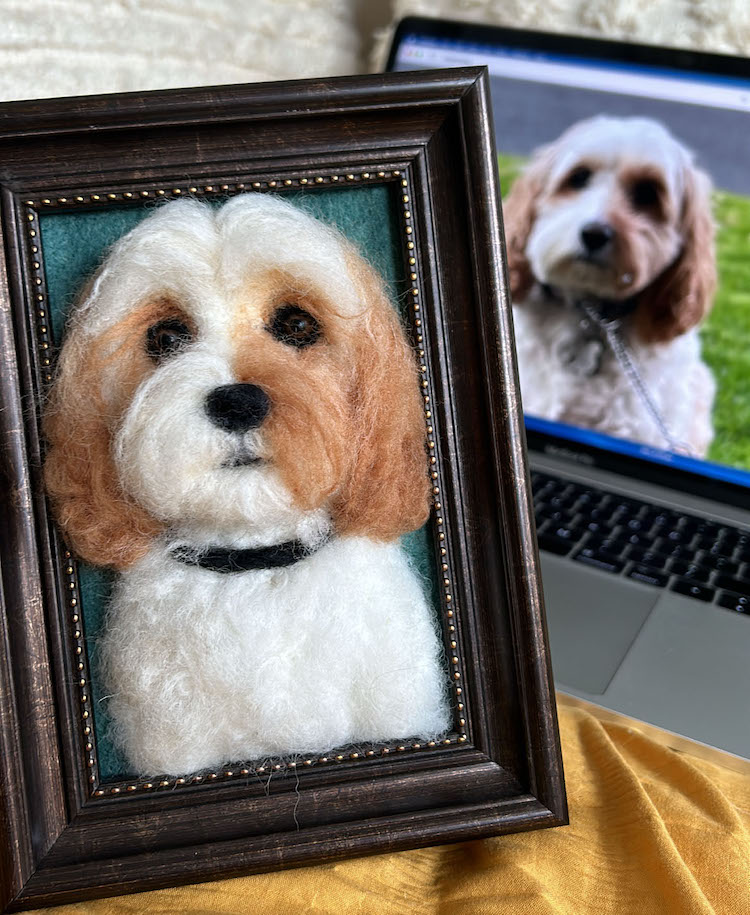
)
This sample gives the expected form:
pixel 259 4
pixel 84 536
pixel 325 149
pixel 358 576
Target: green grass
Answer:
pixel 726 332
pixel 509 167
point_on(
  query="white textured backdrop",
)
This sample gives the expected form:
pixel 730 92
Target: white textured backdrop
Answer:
pixel 72 47
pixel 69 47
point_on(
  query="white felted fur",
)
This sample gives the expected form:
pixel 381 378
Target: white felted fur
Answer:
pixel 169 457
pixel 204 256
pixel 203 668
pixel 208 668
pixel 168 453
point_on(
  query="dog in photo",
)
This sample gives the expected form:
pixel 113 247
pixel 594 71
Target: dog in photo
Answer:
pixel 611 224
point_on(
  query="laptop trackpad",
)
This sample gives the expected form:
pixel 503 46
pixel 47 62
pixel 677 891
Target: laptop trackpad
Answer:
pixel 593 618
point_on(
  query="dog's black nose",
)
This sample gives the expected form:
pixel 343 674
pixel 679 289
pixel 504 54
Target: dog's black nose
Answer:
pixel 237 407
pixel 596 235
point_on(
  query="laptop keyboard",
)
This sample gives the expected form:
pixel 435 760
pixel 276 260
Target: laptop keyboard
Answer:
pixel 657 546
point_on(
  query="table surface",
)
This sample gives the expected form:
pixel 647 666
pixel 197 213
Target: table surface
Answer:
pixel 653 831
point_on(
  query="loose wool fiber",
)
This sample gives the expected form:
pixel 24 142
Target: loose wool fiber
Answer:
pixel 203 668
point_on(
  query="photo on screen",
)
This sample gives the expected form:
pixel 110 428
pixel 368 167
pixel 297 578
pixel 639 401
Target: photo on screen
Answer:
pixel 532 115
pixel 625 154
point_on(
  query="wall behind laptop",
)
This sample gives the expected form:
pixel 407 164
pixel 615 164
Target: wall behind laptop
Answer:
pixel 76 47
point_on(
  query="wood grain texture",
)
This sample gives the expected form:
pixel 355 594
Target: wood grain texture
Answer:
pixel 62 841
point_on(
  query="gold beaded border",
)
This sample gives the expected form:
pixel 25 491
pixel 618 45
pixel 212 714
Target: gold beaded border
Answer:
pixel 39 303
pixel 81 672
pixel 415 294
pixel 108 198
pixel 71 595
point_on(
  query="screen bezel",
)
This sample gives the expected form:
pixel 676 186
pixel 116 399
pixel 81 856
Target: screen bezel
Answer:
pixel 720 65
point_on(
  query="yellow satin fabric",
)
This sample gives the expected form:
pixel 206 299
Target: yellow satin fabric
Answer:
pixel 652 832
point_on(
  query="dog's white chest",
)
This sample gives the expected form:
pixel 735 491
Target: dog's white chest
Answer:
pixel 555 385
pixel 206 668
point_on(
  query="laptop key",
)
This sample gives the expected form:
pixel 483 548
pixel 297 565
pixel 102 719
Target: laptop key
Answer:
pixel 553 544
pixel 600 514
pixel 565 533
pixel 692 589
pixel 608 544
pixel 556 516
pixel 706 540
pixel 721 548
pixel 728 583
pixel 635 538
pixel 665 520
pixel 729 537
pixel 648 576
pixel 678 536
pixel 719 563
pixel 690 570
pixel 607 562
pixel 673 550
pixel 740 603
pixel 647 557
pixel 689 525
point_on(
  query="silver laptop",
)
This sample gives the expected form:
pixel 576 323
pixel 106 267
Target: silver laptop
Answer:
pixel 638 421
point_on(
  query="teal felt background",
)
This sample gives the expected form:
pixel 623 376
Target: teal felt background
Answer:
pixel 73 245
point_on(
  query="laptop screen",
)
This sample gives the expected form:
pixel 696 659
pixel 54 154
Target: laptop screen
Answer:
pixel 625 346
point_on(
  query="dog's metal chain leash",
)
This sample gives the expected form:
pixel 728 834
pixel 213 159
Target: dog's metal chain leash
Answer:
pixel 611 330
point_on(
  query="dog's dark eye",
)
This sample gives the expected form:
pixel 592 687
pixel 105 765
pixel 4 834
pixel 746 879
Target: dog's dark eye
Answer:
pixel 578 178
pixel 167 337
pixel 644 194
pixel 294 326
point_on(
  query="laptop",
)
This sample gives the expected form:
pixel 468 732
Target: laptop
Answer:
pixel 645 541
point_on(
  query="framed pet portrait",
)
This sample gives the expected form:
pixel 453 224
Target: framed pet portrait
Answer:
pixel 269 577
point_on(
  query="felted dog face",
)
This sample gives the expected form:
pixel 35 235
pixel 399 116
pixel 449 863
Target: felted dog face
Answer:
pixel 235 376
pixel 613 209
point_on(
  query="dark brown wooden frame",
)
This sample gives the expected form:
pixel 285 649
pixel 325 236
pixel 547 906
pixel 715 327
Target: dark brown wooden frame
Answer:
pixel 65 835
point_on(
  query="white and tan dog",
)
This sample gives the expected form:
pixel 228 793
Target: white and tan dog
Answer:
pixel 614 216
pixel 236 427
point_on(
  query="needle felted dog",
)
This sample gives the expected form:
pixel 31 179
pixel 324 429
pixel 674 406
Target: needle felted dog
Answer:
pixel 236 427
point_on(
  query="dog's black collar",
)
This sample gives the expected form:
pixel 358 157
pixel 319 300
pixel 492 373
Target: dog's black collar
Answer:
pixel 607 309
pixel 220 559
pixel 610 309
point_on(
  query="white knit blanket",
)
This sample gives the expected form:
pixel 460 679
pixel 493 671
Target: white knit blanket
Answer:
pixel 74 47
pixel 71 47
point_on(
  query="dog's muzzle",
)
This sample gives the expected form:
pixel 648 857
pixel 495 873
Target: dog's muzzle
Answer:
pixel 237 407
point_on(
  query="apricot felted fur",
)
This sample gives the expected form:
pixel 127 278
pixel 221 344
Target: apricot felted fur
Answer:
pixel 204 667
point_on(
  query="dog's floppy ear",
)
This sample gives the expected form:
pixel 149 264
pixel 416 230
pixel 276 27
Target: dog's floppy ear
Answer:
pixel 100 522
pixel 681 296
pixel 386 493
pixel 519 213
